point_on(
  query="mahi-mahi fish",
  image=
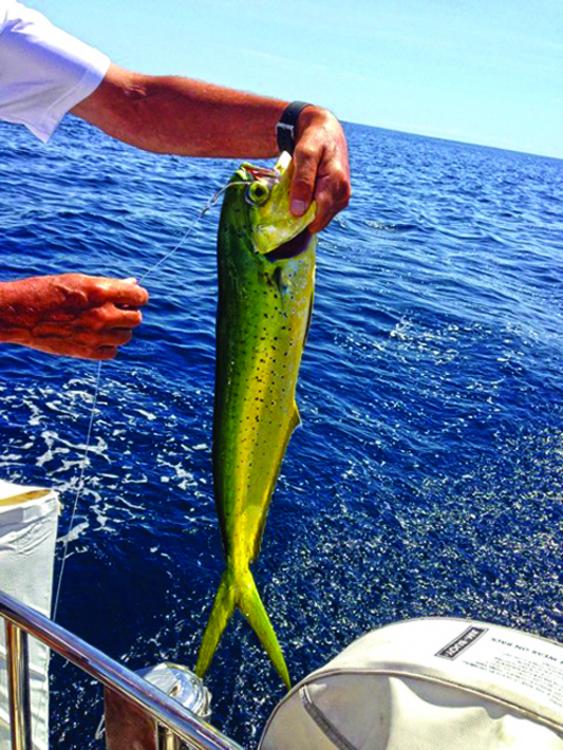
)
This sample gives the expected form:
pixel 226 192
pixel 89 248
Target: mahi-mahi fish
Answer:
pixel 266 264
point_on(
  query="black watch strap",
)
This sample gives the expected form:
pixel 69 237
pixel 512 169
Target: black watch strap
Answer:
pixel 285 129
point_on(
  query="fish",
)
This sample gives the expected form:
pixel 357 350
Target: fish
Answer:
pixel 266 277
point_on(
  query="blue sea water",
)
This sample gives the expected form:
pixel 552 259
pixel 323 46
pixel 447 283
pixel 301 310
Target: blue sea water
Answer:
pixel 428 475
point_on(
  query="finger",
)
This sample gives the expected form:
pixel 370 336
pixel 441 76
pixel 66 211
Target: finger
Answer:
pixel 131 280
pixel 306 160
pixel 119 293
pixel 107 317
pixel 325 212
pixel 123 318
pixel 105 352
pixel 70 348
pixel 117 337
pixel 331 196
pixel 114 337
pixel 95 353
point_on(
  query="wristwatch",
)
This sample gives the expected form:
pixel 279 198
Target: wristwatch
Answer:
pixel 285 129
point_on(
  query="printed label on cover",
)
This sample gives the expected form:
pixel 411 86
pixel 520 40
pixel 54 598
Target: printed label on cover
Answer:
pixel 461 643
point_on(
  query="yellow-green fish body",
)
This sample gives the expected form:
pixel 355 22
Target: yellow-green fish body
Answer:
pixel 266 262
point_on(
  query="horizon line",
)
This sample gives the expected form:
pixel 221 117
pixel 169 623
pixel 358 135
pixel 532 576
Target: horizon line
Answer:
pixel 453 140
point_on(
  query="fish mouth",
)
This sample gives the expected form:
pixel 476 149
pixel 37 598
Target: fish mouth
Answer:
pixel 292 248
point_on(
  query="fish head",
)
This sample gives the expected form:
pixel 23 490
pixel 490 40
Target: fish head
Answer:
pixel 263 200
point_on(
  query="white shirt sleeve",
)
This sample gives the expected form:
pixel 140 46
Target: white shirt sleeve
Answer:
pixel 44 72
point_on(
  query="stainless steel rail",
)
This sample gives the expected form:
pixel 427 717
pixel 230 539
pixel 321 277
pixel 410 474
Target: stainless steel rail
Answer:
pixel 167 713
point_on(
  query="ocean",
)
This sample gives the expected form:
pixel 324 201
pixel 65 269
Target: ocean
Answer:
pixel 427 476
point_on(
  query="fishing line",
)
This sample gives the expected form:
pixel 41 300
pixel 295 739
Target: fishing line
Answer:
pixel 207 207
pixel 79 486
pixel 84 461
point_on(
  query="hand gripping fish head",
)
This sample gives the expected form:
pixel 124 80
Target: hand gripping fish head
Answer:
pixel 266 264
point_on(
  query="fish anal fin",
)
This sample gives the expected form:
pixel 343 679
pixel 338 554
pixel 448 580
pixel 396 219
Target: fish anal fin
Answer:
pixel 309 317
pixel 295 417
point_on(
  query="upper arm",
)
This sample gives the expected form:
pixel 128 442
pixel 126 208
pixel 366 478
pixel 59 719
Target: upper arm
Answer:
pixel 44 71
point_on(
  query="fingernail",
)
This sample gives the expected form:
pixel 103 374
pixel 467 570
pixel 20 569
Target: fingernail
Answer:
pixel 298 207
pixel 132 279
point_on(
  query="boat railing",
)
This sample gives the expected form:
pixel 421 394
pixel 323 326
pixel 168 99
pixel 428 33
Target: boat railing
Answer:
pixel 177 726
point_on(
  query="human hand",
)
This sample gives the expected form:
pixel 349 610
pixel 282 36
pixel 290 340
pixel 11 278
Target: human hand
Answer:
pixel 71 314
pixel 321 164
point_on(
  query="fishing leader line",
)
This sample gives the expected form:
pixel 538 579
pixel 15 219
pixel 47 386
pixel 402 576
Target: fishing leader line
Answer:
pixel 210 203
pixel 189 231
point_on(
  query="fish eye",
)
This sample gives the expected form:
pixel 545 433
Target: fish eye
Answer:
pixel 257 193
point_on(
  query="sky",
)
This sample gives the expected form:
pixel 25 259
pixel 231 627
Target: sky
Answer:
pixel 470 70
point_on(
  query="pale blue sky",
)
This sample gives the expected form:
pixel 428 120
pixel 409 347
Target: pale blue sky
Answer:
pixel 470 70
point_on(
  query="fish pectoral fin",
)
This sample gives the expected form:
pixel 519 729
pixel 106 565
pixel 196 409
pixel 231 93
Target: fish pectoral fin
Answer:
pixel 223 608
pixel 252 608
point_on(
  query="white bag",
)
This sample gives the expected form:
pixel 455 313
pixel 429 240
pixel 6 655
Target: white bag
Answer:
pixel 28 530
pixel 428 684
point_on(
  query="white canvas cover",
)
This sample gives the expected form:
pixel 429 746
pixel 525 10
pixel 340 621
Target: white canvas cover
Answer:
pixel 28 529
pixel 429 684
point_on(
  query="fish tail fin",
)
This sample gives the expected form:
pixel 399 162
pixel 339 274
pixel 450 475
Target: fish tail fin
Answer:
pixel 242 592
pixel 223 608
pixel 250 604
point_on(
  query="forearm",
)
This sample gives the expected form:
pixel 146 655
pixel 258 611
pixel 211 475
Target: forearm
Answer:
pixel 12 329
pixel 183 116
pixel 191 118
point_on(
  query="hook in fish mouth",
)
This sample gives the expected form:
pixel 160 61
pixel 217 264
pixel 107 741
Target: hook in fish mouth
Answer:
pixel 292 248
pixel 262 172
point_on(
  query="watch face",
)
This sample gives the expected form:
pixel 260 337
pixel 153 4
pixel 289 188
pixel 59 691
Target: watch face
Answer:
pixel 285 129
pixel 285 136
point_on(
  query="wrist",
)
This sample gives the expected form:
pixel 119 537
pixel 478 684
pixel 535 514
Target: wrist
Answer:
pixel 312 116
pixel 295 118
pixel 9 331
pixel 8 297
pixel 23 301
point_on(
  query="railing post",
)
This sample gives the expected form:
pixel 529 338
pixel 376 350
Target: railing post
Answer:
pixel 17 661
pixel 167 740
